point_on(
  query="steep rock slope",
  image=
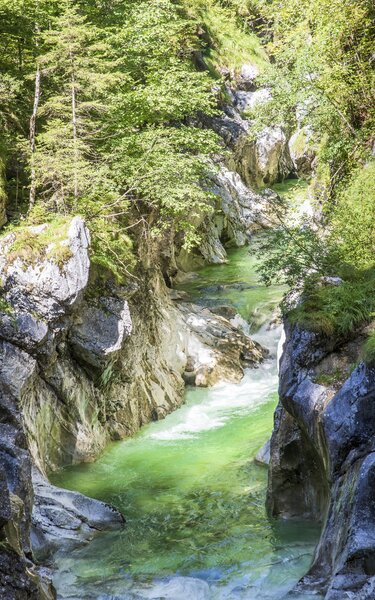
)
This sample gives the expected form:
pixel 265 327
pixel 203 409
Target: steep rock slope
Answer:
pixel 322 459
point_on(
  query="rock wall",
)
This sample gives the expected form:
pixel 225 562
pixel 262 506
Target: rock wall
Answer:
pixel 238 212
pixel 322 459
pixel 262 158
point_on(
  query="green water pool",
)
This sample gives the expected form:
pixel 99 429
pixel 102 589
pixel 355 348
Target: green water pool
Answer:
pixel 191 493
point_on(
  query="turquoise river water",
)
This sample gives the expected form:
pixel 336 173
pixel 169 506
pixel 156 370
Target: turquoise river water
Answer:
pixel 188 486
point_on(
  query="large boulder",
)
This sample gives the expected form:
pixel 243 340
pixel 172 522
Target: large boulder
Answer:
pixel 243 210
pixel 99 331
pixel 265 160
pixel 46 286
pixel 216 349
pixel 65 519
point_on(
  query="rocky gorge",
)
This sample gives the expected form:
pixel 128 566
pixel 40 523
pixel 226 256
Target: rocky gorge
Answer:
pixel 81 367
pixel 84 363
pixel 79 371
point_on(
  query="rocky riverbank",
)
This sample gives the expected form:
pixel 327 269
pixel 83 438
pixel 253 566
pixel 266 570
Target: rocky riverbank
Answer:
pixel 81 366
pixel 322 459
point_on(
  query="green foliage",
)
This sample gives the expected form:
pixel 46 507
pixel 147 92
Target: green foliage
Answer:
pixel 5 306
pixel 289 253
pixel 228 42
pixel 74 70
pixel 165 168
pixel 337 310
pixel 303 255
pixel 335 377
pixel 321 75
pixel 322 64
pixel 114 136
pixel 353 218
pixel 369 349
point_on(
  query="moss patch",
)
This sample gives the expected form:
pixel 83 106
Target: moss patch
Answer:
pixel 369 349
pixel 49 244
pixel 299 143
pixel 334 378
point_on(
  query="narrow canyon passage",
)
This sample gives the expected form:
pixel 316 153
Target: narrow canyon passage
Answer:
pixel 189 488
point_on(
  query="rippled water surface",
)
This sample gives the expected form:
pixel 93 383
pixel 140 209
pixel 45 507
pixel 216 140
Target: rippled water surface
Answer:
pixel 191 493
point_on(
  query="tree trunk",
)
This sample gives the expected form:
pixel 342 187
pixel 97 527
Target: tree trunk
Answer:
pixel 74 125
pixel 32 138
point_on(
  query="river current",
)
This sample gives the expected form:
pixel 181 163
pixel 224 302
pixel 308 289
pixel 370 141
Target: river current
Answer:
pixel 192 495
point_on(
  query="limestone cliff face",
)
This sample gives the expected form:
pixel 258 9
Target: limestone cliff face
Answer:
pixel 322 459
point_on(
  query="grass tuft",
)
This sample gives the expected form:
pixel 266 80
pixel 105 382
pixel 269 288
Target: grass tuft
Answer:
pixel 49 244
pixel 369 349
pixel 340 310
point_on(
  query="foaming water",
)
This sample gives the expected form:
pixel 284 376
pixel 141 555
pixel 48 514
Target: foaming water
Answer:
pixel 192 495
pixel 211 408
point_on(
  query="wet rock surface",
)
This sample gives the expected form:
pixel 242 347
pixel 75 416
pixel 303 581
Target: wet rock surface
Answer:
pixel 323 463
pixel 216 349
pixel 63 519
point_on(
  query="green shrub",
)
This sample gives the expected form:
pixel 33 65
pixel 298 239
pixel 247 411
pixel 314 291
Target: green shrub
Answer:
pixel 369 349
pixel 353 218
pixel 337 310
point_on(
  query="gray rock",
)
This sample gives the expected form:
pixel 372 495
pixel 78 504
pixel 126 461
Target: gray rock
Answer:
pixel 46 287
pixel 245 211
pixel 100 331
pixel 17 370
pixel 65 519
pixel 266 160
pixel 23 329
pixel 216 349
pixel 323 462
pixel 5 507
pixel 16 581
pixel 229 125
pixel 248 75
pixel 334 281
pixel 239 212
pixel 263 457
